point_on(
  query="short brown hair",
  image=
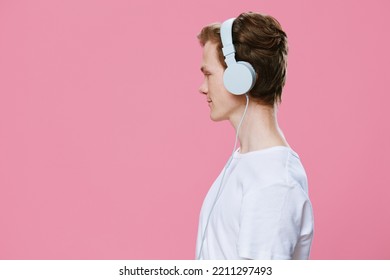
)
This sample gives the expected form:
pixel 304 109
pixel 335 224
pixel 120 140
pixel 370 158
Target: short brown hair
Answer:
pixel 259 40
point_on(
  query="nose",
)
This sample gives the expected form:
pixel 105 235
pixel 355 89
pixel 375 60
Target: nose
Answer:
pixel 203 89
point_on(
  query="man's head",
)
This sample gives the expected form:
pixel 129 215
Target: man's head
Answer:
pixel 259 40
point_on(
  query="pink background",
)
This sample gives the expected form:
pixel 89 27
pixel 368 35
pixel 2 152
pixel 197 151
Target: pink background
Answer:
pixel 107 149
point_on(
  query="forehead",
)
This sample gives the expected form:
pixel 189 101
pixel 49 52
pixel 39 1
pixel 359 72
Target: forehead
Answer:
pixel 210 58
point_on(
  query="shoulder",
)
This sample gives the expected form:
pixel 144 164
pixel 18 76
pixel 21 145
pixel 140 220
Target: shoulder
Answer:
pixel 277 168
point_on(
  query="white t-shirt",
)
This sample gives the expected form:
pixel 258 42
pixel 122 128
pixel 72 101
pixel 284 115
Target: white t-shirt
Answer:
pixel 263 211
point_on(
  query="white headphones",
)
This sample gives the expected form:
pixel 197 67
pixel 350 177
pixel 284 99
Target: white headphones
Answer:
pixel 239 76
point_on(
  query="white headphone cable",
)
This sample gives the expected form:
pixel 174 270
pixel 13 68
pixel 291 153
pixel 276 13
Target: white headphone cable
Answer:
pixel 223 176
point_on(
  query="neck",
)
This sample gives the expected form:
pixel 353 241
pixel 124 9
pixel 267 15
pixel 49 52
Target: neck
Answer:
pixel 259 129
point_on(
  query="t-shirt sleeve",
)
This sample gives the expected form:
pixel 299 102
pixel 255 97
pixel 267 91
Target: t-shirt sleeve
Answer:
pixel 271 220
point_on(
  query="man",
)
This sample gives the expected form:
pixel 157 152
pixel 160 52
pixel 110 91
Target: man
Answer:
pixel 258 207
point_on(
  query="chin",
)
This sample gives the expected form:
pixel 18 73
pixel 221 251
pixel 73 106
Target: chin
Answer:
pixel 217 118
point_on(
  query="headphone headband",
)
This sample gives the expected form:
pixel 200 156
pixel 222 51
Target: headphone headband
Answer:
pixel 227 38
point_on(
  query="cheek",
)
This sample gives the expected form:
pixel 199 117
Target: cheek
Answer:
pixel 217 82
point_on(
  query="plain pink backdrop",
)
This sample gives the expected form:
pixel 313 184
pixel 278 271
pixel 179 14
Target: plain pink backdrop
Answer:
pixel 107 149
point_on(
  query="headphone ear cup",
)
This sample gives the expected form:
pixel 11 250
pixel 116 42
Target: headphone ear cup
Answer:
pixel 239 78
